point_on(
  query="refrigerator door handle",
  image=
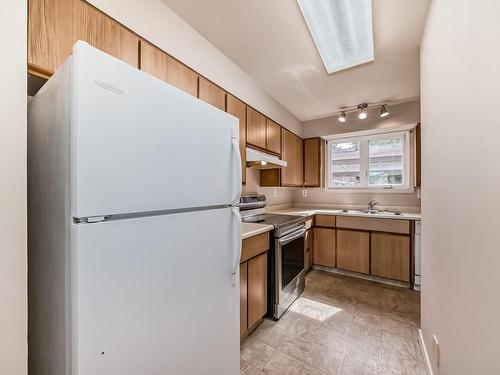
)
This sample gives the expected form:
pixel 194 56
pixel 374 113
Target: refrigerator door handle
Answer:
pixel 237 167
pixel 236 240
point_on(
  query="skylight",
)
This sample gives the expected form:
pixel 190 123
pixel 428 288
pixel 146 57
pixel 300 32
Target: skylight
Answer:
pixel 342 31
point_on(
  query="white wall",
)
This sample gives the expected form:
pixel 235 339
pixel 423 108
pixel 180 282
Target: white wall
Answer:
pixel 154 21
pixel 404 113
pixel 13 292
pixel 460 83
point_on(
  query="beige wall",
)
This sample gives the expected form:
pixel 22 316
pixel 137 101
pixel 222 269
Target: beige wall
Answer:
pixel 153 20
pixel 460 84
pixel 281 195
pixel 13 293
pixel 404 113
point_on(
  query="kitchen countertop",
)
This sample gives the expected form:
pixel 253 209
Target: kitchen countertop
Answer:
pixel 305 211
pixel 253 229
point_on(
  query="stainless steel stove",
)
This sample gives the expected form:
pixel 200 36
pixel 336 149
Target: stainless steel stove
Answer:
pixel 287 272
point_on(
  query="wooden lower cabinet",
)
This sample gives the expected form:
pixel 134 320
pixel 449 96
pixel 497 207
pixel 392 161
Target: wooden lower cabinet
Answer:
pixel 243 298
pixel 353 250
pixel 390 256
pixel 324 247
pixel 257 288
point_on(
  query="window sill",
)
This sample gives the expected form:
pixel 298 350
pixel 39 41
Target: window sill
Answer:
pixel 371 190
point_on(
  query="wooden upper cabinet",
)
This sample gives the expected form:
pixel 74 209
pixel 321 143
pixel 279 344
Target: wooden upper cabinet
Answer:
pixel 163 66
pixel 237 108
pixel 211 93
pixel 353 250
pixel 50 34
pixel 273 137
pixel 313 162
pixel 292 153
pixel 390 256
pixel 55 25
pixel 256 128
pixel 104 33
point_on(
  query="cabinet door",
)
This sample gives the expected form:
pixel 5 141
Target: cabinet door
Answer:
pixel 313 162
pixel 256 128
pixel 299 162
pixel 391 256
pixel 257 288
pixel 353 250
pixel 104 33
pixel 237 108
pixel 163 66
pixel 50 34
pixel 211 93
pixel 324 247
pixel 290 153
pixel 243 298
pixel 273 137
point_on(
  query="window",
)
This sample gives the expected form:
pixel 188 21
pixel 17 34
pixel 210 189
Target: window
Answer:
pixel 369 162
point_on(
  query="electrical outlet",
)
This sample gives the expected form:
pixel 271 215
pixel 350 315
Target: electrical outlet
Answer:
pixel 435 350
pixel 275 193
pixel 304 193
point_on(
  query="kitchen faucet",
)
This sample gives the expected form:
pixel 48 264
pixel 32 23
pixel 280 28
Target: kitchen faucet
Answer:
pixel 372 204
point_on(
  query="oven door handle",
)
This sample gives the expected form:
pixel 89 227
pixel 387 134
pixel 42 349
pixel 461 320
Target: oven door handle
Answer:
pixel 292 236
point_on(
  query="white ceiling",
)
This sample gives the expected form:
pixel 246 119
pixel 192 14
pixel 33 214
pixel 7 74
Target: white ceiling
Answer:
pixel 271 42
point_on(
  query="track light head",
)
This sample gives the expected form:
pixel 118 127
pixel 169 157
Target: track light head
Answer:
pixel 342 117
pixel 362 114
pixel 384 112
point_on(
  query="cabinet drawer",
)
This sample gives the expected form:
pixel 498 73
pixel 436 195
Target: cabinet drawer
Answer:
pixel 369 224
pixel 325 221
pixel 253 246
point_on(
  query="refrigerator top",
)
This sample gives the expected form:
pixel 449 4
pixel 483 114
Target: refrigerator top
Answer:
pixel 141 145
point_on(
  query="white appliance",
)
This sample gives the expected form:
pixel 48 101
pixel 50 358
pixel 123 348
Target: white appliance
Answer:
pixel 418 255
pixel 134 243
pixel 262 160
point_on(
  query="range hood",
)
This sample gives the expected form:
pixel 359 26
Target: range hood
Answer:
pixel 262 160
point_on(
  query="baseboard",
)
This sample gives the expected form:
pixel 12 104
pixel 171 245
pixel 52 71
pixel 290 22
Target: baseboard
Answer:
pixel 423 349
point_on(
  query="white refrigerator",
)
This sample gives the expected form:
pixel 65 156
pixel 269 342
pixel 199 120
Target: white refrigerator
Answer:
pixel 134 242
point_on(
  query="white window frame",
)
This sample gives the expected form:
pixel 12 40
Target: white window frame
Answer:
pixel 406 187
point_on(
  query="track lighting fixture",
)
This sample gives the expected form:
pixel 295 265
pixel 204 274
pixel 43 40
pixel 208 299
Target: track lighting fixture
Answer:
pixel 361 110
pixel 342 117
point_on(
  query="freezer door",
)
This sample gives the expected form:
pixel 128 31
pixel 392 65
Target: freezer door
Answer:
pixel 156 296
pixel 140 145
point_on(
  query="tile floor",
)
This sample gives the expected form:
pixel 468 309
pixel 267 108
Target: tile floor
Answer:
pixel 339 325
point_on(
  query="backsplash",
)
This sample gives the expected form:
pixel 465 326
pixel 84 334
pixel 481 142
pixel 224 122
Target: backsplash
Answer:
pixel 280 195
pixel 406 202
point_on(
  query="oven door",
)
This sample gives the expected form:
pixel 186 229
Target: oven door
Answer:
pixel 289 266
